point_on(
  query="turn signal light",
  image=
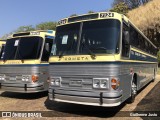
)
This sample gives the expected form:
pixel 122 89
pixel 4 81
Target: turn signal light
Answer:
pixel 34 78
pixel 115 83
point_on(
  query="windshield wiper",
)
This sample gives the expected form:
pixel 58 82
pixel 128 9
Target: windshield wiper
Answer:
pixel 61 55
pixel 93 55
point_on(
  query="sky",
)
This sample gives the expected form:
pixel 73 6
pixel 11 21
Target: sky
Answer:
pixel 16 13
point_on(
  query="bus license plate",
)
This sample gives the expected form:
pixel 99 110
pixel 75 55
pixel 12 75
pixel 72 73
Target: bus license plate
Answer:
pixel 12 78
pixel 76 83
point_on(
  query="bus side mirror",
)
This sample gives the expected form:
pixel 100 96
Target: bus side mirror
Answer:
pixel 47 47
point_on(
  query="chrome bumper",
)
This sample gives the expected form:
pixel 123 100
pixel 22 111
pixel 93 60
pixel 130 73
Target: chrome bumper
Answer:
pixel 106 99
pixel 22 88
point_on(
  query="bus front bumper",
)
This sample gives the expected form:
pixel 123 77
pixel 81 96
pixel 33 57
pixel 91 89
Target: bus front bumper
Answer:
pixel 105 99
pixel 22 88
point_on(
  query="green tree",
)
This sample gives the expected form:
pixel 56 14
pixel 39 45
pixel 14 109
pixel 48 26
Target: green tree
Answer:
pixel 24 29
pixel 90 11
pixel 4 37
pixel 131 3
pixel 46 26
pixel 120 8
pixel 73 15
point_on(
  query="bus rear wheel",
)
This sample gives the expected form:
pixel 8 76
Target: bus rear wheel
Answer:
pixel 133 92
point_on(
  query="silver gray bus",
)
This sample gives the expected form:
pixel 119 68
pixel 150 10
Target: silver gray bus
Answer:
pixel 24 62
pixel 101 59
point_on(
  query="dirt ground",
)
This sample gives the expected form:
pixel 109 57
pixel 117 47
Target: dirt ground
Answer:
pixel 39 102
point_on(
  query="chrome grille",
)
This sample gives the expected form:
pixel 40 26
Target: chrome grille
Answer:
pixel 85 70
pixel 86 83
pixel 18 69
pixel 16 78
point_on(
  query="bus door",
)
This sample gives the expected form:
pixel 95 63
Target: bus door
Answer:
pixel 47 48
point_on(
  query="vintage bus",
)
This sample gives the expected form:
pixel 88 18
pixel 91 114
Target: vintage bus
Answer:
pixel 24 62
pixel 101 59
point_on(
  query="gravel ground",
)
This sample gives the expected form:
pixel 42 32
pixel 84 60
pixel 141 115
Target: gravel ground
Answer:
pixel 39 102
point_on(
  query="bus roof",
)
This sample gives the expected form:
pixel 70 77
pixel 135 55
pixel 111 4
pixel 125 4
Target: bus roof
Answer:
pixel 88 17
pixel 37 32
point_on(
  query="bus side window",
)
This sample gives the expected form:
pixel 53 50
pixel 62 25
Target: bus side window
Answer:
pixel 125 41
pixel 47 49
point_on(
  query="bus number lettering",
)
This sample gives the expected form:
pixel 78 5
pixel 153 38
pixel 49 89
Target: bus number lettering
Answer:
pixel 104 15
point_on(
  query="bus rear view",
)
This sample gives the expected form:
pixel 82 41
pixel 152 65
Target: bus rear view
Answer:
pixel 24 62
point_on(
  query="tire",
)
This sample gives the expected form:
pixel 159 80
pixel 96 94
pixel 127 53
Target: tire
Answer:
pixel 133 91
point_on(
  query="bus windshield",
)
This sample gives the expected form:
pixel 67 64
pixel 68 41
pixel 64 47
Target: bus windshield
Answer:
pixel 98 36
pixel 22 48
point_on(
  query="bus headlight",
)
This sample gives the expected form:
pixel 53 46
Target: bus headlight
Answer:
pixel 2 77
pixel 55 81
pixel 25 78
pixel 96 83
pixel 102 83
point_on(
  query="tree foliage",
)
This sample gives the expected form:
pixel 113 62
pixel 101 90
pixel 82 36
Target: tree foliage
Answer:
pixel 120 8
pixel 4 37
pixel 90 11
pixel 24 29
pixel 73 15
pixel 46 26
pixel 131 3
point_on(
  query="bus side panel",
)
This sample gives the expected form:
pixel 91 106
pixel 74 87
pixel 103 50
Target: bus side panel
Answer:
pixel 144 73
